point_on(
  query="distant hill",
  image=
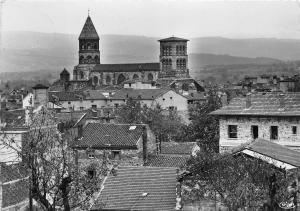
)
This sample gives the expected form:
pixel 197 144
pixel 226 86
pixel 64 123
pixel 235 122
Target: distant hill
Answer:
pixel 283 49
pixel 197 61
pixel 43 52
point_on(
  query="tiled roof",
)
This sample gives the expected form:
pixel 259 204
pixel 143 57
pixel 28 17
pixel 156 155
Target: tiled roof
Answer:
pixel 15 184
pixel 143 94
pixel 133 67
pixel 64 72
pixel 40 86
pixel 116 136
pixel 172 39
pixel 76 95
pixel 272 150
pixel 179 148
pixel 267 104
pixel 13 118
pixel 167 160
pixel 15 193
pixel 88 31
pixel 139 188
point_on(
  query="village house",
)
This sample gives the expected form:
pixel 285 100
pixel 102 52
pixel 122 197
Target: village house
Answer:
pixel 78 100
pixel 140 188
pixel 123 144
pixel 271 116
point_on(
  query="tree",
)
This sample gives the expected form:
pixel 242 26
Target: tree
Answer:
pixel 166 125
pixel 204 127
pixel 56 179
pixel 238 182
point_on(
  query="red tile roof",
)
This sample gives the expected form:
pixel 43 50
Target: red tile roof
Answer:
pixel 267 104
pixel 167 160
pixel 133 67
pixel 139 188
pixel 173 39
pixel 179 148
pixel 88 31
pixel 142 94
pixel 272 150
pixel 110 136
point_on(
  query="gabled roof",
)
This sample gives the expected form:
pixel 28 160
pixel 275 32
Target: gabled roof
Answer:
pixel 139 188
pixel 173 39
pixel 179 148
pixel 76 95
pixel 142 94
pixel 88 31
pixel 163 160
pixel 110 136
pixel 263 104
pixel 131 67
pixel 271 150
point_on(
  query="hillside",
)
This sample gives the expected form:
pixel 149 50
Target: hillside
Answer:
pixel 50 53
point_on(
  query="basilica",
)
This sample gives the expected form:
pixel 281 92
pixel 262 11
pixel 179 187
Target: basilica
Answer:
pixel 90 72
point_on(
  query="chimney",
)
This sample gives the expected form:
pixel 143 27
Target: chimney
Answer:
pixel 248 100
pixel 281 100
pixel 145 141
pixel 224 99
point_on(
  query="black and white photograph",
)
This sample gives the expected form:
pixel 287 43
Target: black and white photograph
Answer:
pixel 149 105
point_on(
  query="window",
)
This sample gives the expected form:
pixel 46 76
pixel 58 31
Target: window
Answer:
pixel 274 132
pixel 232 131
pixel 116 105
pixel 91 173
pixel 92 101
pixel 94 106
pixel 171 98
pixel 81 108
pixel 116 155
pixel 294 130
pixel 172 108
pixel 91 155
pixel 254 131
pixel 69 102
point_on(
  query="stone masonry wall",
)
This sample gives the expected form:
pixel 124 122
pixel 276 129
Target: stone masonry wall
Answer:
pixel 244 134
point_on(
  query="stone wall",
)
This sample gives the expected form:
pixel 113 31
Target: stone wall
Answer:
pixel 244 134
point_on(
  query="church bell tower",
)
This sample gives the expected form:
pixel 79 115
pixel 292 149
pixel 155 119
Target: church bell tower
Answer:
pixel 89 44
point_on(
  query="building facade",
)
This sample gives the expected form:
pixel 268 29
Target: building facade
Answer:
pixel 272 116
pixel 173 61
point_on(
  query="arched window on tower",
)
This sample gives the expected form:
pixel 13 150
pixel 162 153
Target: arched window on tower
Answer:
pixel 135 77
pixel 183 64
pixel 95 46
pixel 88 45
pixel 81 75
pixel 95 80
pixel 150 77
pixel 96 59
pixel 81 59
pixel 121 79
pixel 108 80
pixel 82 47
pixel 89 59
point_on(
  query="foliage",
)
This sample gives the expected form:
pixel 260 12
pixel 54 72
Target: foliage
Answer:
pixel 166 125
pixel 56 179
pixel 236 181
pixel 204 127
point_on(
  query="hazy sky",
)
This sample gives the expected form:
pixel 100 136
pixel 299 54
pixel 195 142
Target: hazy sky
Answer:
pixel 159 18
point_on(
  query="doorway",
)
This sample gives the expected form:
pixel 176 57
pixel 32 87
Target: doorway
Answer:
pixel 254 131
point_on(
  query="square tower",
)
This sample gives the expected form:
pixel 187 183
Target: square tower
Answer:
pixel 173 57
